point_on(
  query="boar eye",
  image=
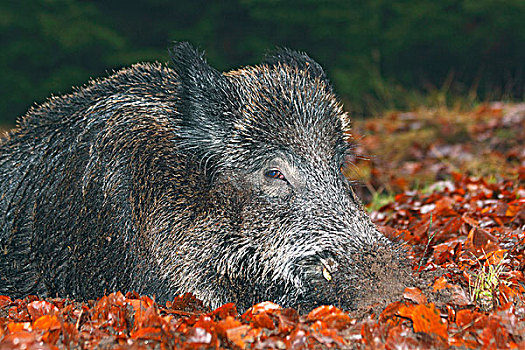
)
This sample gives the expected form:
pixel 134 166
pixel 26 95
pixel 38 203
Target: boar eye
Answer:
pixel 274 174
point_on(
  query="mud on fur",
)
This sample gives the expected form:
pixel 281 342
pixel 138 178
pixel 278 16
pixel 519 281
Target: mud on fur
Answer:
pixel 169 180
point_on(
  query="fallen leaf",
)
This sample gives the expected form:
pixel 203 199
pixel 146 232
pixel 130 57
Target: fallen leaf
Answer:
pixel 440 283
pixel 415 295
pixel 239 336
pixel 425 318
pixel 39 308
pixel 47 323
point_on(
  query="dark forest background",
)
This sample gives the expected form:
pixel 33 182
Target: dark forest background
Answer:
pixel 380 54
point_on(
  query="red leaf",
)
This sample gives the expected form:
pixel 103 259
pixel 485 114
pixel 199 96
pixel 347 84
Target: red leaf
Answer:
pixel 150 333
pixel 263 321
pixel 5 300
pixel 224 311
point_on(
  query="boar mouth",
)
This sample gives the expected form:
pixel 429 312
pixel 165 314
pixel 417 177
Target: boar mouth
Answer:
pixel 373 276
pixel 319 267
pixel 323 282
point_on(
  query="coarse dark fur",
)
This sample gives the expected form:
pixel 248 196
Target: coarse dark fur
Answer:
pixel 157 180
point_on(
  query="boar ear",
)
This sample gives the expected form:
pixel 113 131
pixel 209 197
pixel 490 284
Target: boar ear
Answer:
pixel 192 67
pixel 200 83
pixel 206 99
pixel 297 59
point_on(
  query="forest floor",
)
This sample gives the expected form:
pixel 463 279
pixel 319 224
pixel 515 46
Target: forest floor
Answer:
pixel 449 185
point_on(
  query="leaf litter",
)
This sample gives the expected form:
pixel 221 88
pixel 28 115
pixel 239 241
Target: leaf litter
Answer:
pixel 463 237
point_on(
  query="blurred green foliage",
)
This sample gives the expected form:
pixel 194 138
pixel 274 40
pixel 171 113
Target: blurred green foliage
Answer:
pixel 379 53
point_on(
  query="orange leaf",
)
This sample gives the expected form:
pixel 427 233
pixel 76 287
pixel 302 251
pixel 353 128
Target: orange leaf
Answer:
pixel 18 326
pixel 228 323
pixel 47 322
pixel 265 306
pixel 330 336
pixel 425 318
pixel 512 210
pixel 441 283
pixel 493 258
pixel 331 316
pixel 390 311
pixel 507 293
pixel 444 207
pixel 4 300
pixel 472 222
pixel 338 321
pixel 138 305
pixel 20 340
pixel 322 311
pixel 465 317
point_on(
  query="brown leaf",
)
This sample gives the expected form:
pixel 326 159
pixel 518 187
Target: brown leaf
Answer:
pixel 39 308
pixel 224 325
pixel 415 295
pixel 239 336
